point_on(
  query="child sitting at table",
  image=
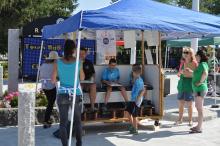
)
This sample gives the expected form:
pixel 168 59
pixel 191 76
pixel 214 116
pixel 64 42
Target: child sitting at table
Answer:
pixel 110 76
pixel 136 99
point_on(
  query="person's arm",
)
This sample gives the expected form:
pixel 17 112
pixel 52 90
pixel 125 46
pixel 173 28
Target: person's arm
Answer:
pixel 104 77
pixel 203 78
pixel 93 72
pixel 140 95
pixel 118 76
pixel 106 82
pixel 81 75
pixel 54 73
pixel 188 72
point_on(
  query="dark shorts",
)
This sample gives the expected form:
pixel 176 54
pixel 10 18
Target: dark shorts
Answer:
pixel 132 109
pixel 104 88
pixel 201 94
pixel 186 96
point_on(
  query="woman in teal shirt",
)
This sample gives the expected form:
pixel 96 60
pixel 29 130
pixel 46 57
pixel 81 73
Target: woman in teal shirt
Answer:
pixel 200 87
pixel 65 68
pixel 185 91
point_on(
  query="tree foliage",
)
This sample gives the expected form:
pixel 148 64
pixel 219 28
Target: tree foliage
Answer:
pixel 208 6
pixel 16 13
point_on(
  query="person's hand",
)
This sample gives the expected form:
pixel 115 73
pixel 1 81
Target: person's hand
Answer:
pixel 198 84
pixel 187 69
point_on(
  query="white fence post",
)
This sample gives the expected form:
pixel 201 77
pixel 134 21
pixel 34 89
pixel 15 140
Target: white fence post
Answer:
pixel 26 118
pixel 13 59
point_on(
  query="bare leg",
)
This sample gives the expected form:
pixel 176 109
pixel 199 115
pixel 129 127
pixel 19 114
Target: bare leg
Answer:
pixel 199 106
pixel 130 119
pixel 135 122
pixel 181 110
pixel 108 93
pixel 92 94
pixel 124 94
pixel 190 111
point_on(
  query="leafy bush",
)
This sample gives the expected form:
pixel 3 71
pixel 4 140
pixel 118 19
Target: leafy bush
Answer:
pixel 10 99
pixel 5 69
pixel 41 99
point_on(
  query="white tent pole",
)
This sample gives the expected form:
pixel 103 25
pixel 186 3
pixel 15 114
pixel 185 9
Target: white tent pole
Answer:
pixel 75 80
pixel 39 61
pixel 142 51
pixel 168 56
pixel 157 54
pixel 215 104
pixel 194 41
pixel 165 64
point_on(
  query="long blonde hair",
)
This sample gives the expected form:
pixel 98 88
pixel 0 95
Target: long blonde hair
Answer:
pixel 191 51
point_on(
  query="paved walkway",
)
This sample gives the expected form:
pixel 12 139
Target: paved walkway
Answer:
pixel 116 134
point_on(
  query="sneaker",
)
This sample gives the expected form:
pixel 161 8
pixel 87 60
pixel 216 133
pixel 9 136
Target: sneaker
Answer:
pixel 46 125
pixel 57 133
pixel 104 108
pixel 134 131
pixel 130 127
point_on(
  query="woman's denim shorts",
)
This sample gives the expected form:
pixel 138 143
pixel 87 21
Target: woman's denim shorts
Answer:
pixel 186 96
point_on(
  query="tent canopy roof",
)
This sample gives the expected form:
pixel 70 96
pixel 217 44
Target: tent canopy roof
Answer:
pixel 172 21
pixel 187 42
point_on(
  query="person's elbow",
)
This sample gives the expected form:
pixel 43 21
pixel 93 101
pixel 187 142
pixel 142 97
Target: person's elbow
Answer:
pixel 205 73
pixel 82 76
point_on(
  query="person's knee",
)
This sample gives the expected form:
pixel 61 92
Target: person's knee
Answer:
pixel 122 88
pixel 109 89
pixel 181 103
pixel 189 104
pixel 93 86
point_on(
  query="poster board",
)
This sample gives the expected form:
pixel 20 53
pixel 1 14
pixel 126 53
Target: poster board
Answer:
pixel 149 56
pixel 106 46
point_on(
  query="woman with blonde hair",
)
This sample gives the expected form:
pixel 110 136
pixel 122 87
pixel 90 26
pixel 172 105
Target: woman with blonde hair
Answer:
pixel 185 91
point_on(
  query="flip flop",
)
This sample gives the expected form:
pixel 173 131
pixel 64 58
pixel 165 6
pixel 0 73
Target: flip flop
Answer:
pixel 195 131
pixel 193 128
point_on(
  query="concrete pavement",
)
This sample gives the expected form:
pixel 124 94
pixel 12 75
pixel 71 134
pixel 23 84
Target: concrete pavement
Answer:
pixel 116 134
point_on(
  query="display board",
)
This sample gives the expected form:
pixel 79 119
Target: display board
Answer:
pixel 31 53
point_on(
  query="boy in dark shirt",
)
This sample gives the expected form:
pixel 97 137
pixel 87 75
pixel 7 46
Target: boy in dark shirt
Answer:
pixel 89 72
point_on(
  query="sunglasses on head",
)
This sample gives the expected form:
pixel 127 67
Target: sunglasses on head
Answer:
pixel 186 52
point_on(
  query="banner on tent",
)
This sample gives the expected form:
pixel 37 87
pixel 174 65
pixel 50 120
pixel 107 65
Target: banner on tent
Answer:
pixel 106 46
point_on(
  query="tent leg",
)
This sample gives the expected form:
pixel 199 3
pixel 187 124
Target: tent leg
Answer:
pixel 165 64
pixel 142 50
pixel 75 86
pixel 39 61
pixel 215 104
pixel 168 56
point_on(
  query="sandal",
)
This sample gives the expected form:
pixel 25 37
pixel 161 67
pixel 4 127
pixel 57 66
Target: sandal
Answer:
pixel 178 123
pixel 193 128
pixel 190 123
pixel 195 131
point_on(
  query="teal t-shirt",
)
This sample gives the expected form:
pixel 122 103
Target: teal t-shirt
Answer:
pixel 197 74
pixel 66 74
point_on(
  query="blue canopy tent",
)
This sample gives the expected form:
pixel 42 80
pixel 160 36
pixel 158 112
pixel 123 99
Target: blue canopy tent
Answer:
pixel 172 22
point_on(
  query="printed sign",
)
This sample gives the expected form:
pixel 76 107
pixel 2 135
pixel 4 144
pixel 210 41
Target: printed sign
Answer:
pixel 106 46
pixel 31 53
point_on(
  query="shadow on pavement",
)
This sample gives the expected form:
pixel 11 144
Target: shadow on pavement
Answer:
pixel 144 136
